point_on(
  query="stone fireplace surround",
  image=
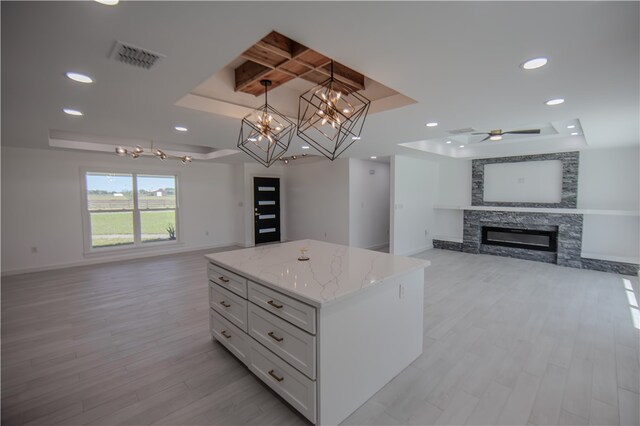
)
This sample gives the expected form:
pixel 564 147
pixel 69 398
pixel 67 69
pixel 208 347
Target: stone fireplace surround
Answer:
pixel 569 235
pixel 568 225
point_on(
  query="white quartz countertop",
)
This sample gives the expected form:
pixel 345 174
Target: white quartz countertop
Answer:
pixel 332 273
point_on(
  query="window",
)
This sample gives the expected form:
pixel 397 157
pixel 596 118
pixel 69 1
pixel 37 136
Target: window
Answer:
pixel 129 209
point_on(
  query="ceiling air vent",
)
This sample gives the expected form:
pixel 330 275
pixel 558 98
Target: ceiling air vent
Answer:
pixel 134 55
pixel 461 131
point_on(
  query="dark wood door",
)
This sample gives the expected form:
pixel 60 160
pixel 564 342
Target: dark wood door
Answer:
pixel 266 209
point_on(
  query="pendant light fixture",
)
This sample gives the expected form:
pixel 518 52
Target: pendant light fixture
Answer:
pixel 331 116
pixel 137 151
pixel 265 134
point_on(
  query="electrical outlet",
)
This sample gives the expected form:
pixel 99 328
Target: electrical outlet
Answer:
pixel 34 249
pixel 426 232
pixel 206 233
pixel 401 291
pixel 521 180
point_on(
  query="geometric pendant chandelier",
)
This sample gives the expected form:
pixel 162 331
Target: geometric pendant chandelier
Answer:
pixel 331 117
pixel 265 134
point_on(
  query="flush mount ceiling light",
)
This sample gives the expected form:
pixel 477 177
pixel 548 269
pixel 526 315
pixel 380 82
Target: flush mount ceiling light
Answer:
pixel 461 146
pixel 265 134
pixel 574 134
pixel 556 101
pixel 181 128
pixel 534 63
pixel 137 151
pixel 71 111
pixel 495 138
pixel 80 78
pixel 305 147
pixel 448 142
pixel 571 126
pixel 331 116
pixel 108 2
pixel 373 157
pixel 432 124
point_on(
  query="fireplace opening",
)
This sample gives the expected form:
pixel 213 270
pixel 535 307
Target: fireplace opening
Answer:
pixel 521 238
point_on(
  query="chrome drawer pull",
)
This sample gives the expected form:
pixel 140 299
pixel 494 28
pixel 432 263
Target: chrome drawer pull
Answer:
pixel 224 333
pixel 274 304
pixel 223 279
pixel 274 337
pixel 225 304
pixel 272 374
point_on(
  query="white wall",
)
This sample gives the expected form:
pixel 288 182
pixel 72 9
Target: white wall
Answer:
pixel 454 189
pixel 369 201
pixel 523 182
pixel 41 205
pixel 414 189
pixel 317 193
pixel 610 179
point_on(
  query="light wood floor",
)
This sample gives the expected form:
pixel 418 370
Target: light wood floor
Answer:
pixel 506 342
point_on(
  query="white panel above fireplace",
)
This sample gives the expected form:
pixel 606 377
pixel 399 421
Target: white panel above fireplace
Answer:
pixel 523 182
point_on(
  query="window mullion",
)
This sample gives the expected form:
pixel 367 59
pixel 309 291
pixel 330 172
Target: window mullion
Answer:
pixel 137 238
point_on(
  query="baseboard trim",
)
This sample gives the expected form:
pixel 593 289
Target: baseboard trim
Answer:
pixel 116 258
pixel 377 246
pixel 415 251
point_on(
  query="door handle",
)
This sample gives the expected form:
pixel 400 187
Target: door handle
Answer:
pixel 225 304
pixel 223 279
pixel 224 333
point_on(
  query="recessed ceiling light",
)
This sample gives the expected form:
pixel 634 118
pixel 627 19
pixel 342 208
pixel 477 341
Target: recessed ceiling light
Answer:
pixel 181 128
pixel 373 157
pixel 432 124
pixel 71 111
pixel 108 2
pixel 534 63
pixel 80 78
pixel 448 141
pixel 305 146
pixel 572 126
pixel 574 134
pixel 552 102
pixel 355 138
pixel 461 146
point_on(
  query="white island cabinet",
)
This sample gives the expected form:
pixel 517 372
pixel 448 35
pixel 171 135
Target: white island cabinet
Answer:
pixel 326 333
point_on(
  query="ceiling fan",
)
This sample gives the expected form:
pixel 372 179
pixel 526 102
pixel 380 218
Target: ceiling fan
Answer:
pixel 496 135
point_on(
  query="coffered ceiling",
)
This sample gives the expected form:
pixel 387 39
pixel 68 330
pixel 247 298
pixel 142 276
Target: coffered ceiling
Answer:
pixel 457 64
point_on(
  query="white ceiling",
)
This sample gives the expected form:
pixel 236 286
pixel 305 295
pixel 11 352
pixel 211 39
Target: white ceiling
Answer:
pixel 459 61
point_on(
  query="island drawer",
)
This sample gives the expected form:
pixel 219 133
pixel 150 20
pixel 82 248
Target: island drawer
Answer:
pixel 295 346
pixel 229 305
pixel 297 313
pixel 229 335
pixel 228 280
pixel 290 384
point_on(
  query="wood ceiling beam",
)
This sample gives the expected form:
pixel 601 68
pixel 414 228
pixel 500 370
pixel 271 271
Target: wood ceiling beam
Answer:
pixel 248 73
pixel 262 61
pixel 342 73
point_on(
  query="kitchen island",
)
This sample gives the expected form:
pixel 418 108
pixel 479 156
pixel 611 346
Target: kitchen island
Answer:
pixel 324 333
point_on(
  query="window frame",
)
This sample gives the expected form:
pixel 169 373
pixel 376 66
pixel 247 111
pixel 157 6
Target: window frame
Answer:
pixel 137 245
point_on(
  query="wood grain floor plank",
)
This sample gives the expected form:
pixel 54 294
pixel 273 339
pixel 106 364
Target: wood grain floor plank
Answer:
pixel 128 343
